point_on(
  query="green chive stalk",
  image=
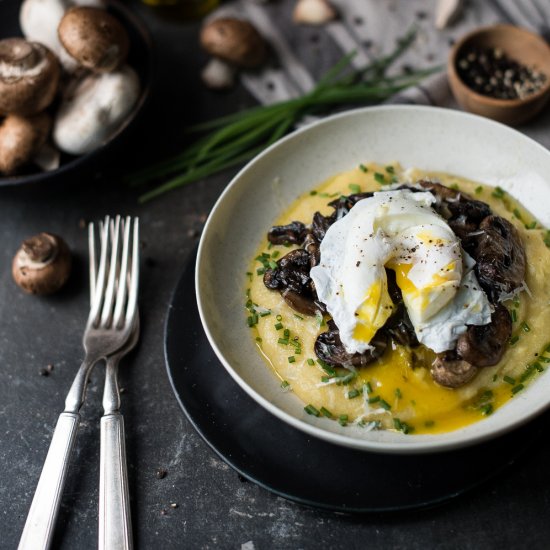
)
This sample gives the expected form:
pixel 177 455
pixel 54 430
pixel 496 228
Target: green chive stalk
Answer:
pixel 234 139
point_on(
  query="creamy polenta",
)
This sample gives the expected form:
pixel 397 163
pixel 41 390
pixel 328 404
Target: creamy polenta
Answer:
pixel 397 391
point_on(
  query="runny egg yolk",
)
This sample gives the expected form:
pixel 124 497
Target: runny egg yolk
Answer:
pixel 373 312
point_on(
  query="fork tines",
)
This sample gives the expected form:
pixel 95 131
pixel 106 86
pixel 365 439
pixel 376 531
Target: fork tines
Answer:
pixel 114 277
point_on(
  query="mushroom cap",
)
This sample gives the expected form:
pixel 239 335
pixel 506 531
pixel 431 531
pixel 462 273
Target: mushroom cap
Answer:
pixel 235 41
pixel 20 139
pixel 29 76
pixel 42 264
pixel 95 110
pixel 94 38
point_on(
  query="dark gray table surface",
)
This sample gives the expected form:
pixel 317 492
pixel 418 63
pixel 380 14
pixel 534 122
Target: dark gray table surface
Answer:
pixel 215 509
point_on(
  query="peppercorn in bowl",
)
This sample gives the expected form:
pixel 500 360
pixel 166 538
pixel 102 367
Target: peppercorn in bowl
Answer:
pixel 284 370
pixel 501 72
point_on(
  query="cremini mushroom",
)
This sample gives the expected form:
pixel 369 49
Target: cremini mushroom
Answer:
pixel 313 12
pixel 94 38
pixel 29 76
pixel 235 41
pixel 95 110
pixel 42 264
pixel 20 139
pixel 39 20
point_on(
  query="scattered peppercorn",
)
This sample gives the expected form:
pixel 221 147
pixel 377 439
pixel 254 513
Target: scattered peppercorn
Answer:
pixel 490 72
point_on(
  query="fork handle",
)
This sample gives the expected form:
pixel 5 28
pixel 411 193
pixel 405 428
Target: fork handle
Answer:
pixel 115 526
pixel 39 527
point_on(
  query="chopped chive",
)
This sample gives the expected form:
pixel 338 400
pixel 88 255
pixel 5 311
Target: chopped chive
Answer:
pixel 495 376
pixel 514 315
pixel 517 213
pixel 509 380
pixel 310 362
pixel 354 188
pixel 398 393
pixel 352 394
pixel 265 313
pixel 298 351
pixel 487 409
pixel 529 371
pixel 363 168
pixel 269 246
pixel 348 378
pixel 298 317
pixel 294 343
pixel 284 384
pixel 279 317
pixel 517 388
pixel 385 405
pixel 525 327
pixel 498 193
pixel 275 254
pixel 326 367
pixel 324 195
pixel 390 169
pixel 379 178
pixel 325 379
pixel 539 367
pixel 292 359
pixel 260 271
pixel 513 341
pixel 397 423
pixel 312 193
pixel 455 186
pixel 547 348
pixel 335 194
pixel 343 420
pixel 544 359
pixel 249 275
pixel 429 423
pixel 278 326
pixel 258 339
pixel 326 412
pixel 374 399
pixel 283 341
pixel 252 320
pixel 368 387
pixel 516 301
pixel 272 264
pixel 532 225
pixel 547 238
pixel 310 409
pixel 286 333
pixel 479 189
pixel 394 179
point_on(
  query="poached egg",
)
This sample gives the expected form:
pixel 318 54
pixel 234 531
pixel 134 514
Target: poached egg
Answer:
pixel 398 230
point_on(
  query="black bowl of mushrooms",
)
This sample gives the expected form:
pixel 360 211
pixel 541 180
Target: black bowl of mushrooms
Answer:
pixel 70 86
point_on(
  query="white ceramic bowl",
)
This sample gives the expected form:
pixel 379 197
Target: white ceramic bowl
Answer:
pixel 429 138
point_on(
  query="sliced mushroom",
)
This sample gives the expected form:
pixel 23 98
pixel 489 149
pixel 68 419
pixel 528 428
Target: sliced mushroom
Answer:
pixel 20 139
pixel 29 76
pixel 484 345
pixel 329 348
pixel 313 12
pixel 97 108
pixel 94 38
pixel 293 233
pixel 500 257
pixel 235 41
pixel 42 264
pixel 451 371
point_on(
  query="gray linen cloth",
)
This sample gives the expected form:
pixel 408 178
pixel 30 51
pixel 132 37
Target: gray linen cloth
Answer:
pixel 381 22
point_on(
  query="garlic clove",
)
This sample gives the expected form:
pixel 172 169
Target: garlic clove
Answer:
pixel 313 12
pixel 218 75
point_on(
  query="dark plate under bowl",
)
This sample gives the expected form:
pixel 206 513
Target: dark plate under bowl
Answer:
pixel 140 58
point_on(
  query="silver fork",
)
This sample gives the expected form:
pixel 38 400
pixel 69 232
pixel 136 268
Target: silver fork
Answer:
pixel 110 324
pixel 115 525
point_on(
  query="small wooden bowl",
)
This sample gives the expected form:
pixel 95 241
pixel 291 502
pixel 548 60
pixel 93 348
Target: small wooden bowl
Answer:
pixel 519 44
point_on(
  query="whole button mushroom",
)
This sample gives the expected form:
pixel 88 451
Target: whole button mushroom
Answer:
pixel 20 140
pixel 29 76
pixel 235 41
pixel 94 38
pixel 42 264
pixel 95 110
